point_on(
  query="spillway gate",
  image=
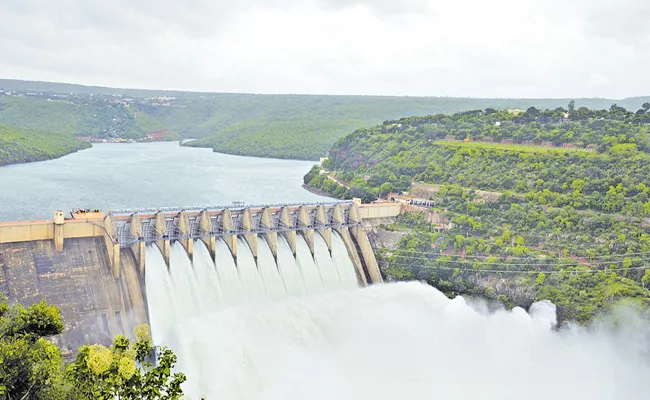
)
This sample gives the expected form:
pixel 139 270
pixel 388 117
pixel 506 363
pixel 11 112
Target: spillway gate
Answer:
pixel 182 223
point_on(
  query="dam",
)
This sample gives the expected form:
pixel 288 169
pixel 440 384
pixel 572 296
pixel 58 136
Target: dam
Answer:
pixel 101 267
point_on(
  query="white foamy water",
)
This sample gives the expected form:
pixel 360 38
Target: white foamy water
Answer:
pixel 307 265
pixel 208 280
pixel 250 280
pixel 289 270
pixel 160 290
pixel 273 284
pixel 227 273
pixel 343 263
pixel 396 341
pixel 326 268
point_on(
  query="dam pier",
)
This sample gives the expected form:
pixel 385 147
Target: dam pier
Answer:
pixel 93 264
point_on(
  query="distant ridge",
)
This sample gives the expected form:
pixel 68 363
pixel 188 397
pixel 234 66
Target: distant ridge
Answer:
pixel 66 88
pixel 291 126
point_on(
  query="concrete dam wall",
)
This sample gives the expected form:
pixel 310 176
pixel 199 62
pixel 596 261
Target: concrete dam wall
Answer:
pixel 93 264
pixel 94 305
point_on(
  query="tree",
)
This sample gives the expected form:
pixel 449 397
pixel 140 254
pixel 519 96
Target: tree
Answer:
pixel 385 188
pixel 646 278
pixel 578 185
pixel 646 106
pixel 533 112
pixel 124 371
pixel 30 366
pixel 572 106
pixel 627 263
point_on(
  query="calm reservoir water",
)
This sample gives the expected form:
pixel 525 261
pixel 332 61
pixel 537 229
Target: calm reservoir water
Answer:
pixel 114 176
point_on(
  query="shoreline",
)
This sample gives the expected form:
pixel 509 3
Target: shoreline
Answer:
pixel 314 160
pixel 317 191
pixel 44 159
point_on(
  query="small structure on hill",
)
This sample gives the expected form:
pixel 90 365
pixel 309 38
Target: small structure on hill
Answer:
pixel 158 136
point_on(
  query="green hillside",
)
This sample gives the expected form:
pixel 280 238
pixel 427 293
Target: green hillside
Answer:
pixel 18 145
pixel 541 216
pixel 78 116
pixel 281 126
pixel 304 127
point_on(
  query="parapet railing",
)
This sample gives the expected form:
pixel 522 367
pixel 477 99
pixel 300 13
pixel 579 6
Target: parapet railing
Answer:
pixel 125 239
pixel 233 206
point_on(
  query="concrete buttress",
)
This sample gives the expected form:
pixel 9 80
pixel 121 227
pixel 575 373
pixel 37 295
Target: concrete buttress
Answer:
pixel 229 238
pixel 354 255
pixel 271 237
pixel 184 228
pixel 321 223
pixel 290 234
pixel 365 248
pixel 247 224
pixel 304 218
pixel 205 226
pixel 160 225
pixel 112 246
pixel 138 248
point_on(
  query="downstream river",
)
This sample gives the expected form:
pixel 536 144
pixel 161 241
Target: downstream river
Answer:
pixel 117 176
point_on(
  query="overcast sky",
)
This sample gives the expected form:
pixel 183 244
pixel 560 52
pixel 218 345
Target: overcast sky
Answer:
pixel 478 48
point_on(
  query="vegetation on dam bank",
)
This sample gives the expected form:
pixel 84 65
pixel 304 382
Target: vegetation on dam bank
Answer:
pixel 31 367
pixel 512 223
pixel 19 145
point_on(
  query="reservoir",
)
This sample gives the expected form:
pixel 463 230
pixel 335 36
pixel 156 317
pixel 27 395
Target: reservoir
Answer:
pixel 118 176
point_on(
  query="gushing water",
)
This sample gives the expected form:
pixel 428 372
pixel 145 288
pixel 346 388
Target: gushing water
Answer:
pixel 227 273
pixel 208 281
pixel 405 341
pixel 250 280
pixel 325 264
pixel 383 342
pixel 312 278
pixel 186 287
pixel 275 289
pixel 343 263
pixel 160 292
pixel 289 269
pixel 195 288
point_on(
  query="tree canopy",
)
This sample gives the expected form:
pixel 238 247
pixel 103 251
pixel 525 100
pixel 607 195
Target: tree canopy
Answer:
pixel 31 367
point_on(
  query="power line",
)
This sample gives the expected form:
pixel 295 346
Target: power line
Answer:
pixel 550 237
pixel 563 235
pixel 517 258
pixel 502 263
pixel 589 271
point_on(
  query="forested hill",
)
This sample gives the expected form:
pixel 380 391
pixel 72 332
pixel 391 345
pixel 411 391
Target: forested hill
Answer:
pixel 18 145
pixel 595 146
pixel 530 205
pixel 282 126
pixel 305 127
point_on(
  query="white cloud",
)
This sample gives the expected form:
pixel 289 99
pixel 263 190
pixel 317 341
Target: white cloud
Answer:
pixel 502 48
